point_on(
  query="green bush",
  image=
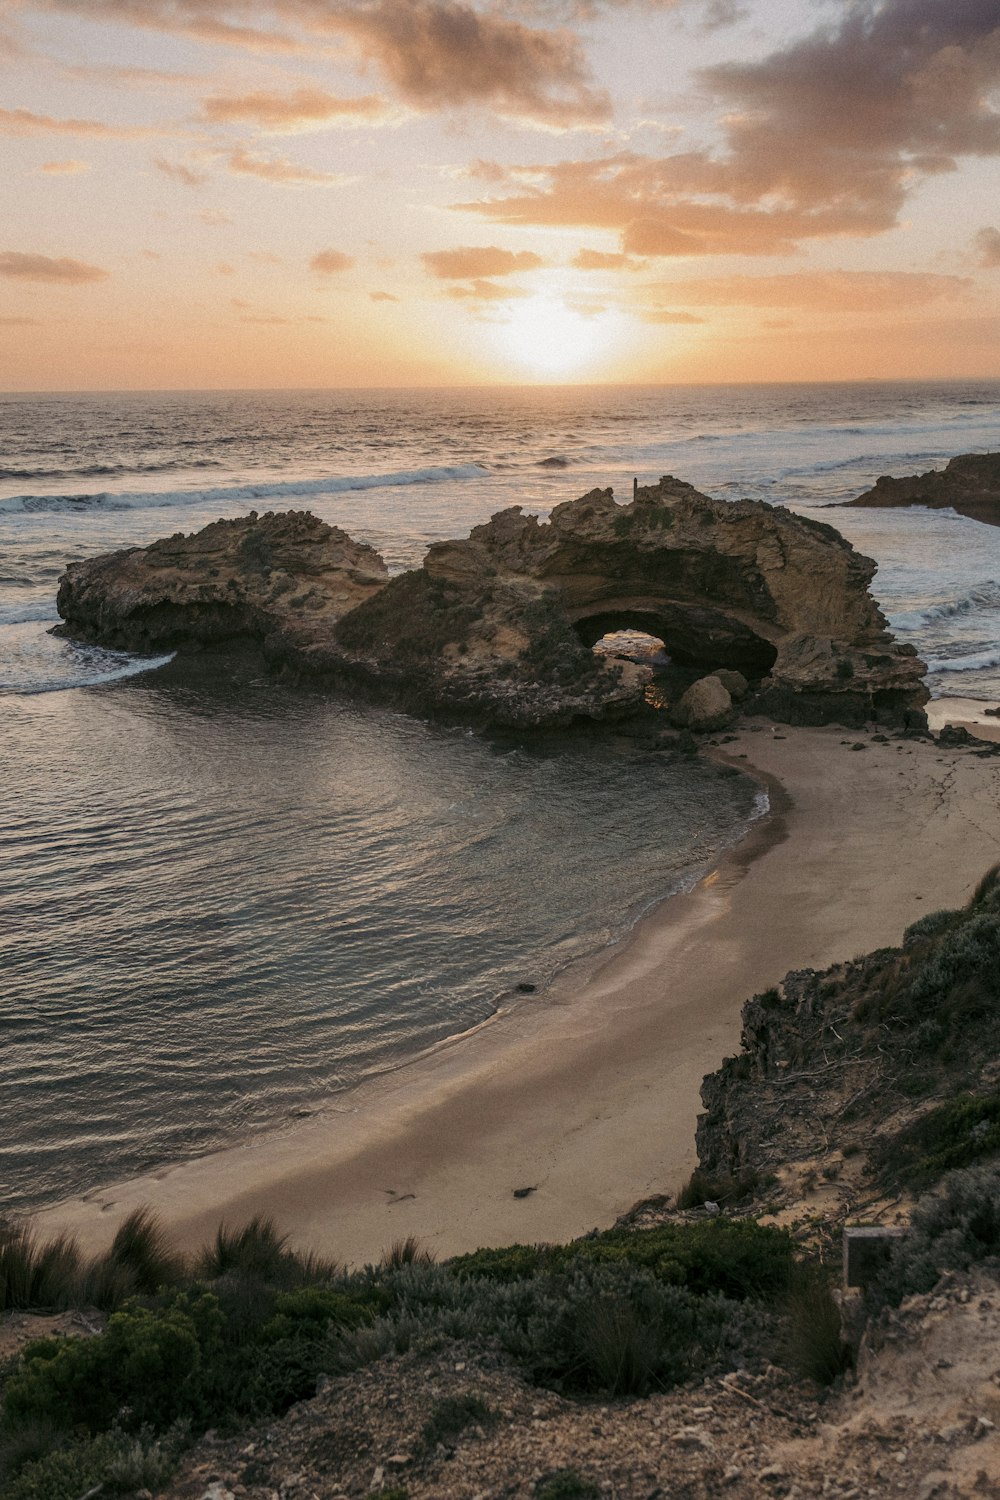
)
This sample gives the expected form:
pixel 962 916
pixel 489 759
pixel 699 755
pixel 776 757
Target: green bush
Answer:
pixel 144 1369
pixel 953 1229
pixel 736 1257
pixel 956 1134
pixel 43 1276
pixel 813 1343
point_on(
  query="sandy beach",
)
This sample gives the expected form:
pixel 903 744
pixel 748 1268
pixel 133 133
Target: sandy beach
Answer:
pixel 588 1094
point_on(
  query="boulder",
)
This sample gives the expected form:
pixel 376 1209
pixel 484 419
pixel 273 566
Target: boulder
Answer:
pixel 705 706
pixel 734 683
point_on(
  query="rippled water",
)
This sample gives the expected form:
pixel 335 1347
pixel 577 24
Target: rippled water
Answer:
pixel 220 901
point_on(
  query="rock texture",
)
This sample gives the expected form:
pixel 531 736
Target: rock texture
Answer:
pixel 282 579
pixel 499 627
pixel 969 484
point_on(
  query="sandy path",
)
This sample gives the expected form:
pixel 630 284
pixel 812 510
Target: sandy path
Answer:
pixel 589 1094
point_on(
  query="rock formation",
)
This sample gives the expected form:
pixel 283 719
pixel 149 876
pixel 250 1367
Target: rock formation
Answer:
pixel 969 484
pixel 500 627
pixel 282 579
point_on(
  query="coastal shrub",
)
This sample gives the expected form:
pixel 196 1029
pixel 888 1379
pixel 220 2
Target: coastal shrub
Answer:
pixel 406 1252
pixel 956 1134
pixel 813 1344
pixel 140 1261
pixel 145 1369
pixel 952 1229
pixel 736 1257
pixel 720 1187
pixel 115 1463
pixel 931 925
pixel 257 1250
pixel 64 1473
pixel 42 1275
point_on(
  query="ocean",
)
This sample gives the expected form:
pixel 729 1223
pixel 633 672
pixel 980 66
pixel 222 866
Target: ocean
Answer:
pixel 223 901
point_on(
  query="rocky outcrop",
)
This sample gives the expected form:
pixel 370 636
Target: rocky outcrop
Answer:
pixel 706 705
pixel 282 579
pixel 969 484
pixel 500 627
pixel 885 1069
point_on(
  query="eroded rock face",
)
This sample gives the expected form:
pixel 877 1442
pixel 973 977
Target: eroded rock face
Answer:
pixel 282 579
pixel 969 484
pixel 749 587
pixel 500 626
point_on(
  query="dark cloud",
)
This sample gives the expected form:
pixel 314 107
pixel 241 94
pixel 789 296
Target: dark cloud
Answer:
pixel 822 138
pixel 988 249
pixel 179 172
pixel 28 267
pixel 474 261
pixel 437 54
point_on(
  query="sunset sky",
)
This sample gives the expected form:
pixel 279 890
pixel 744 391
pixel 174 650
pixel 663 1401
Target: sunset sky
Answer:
pixel 206 193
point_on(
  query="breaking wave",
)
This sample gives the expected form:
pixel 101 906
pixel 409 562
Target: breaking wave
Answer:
pixel 276 490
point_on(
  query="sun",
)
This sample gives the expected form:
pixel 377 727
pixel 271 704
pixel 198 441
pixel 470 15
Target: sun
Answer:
pixel 543 334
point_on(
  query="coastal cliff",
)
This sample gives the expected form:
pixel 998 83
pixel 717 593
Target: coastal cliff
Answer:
pixel 969 484
pixel 876 1076
pixel 499 627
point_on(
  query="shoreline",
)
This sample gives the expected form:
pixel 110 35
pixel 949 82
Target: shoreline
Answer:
pixel 588 1093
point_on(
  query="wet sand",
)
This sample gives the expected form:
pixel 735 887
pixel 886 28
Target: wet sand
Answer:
pixel 588 1094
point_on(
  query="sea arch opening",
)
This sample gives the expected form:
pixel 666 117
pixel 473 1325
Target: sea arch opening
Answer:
pixel 691 636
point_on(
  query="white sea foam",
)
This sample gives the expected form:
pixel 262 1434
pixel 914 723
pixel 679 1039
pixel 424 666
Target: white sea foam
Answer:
pixel 975 662
pixel 241 494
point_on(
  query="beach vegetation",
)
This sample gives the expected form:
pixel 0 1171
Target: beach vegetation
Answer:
pixel 957 1133
pixel 406 1252
pixel 721 1187
pixel 813 1344
pixel 953 1228
pixel 735 1257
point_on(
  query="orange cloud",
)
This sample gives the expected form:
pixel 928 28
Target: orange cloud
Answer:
pixel 330 262
pixel 988 249
pixel 820 291
pixel 23 122
pixel 486 291
pixel 665 315
pixel 280 170
pixel 604 260
pixel 26 267
pixel 305 109
pixel 477 261
pixel 382 297
pixel 64 168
